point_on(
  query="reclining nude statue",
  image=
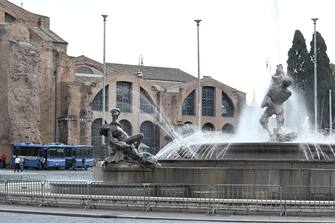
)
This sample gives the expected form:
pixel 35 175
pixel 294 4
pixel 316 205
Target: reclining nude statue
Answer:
pixel 123 148
pixel 273 102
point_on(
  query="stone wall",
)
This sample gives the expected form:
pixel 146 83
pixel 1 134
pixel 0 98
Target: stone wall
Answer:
pixel 19 64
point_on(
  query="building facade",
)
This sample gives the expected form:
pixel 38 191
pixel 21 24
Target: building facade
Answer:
pixel 49 96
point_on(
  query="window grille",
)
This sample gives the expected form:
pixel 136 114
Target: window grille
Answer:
pixel 227 107
pixel 123 96
pixel 146 104
pixel 188 105
pixel 97 101
pixel 208 101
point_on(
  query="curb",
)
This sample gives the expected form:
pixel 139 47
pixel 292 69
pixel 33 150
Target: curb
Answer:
pixel 134 215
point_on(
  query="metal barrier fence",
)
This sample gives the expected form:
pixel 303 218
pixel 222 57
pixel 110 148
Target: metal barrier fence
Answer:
pixel 232 198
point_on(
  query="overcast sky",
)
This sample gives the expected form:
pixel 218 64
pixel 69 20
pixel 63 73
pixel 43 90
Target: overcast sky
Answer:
pixel 237 37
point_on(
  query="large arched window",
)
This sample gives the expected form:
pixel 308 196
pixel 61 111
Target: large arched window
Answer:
pixel 123 96
pixel 208 101
pixel 9 18
pixel 126 126
pixel 228 128
pixel 146 103
pixel 84 70
pixel 147 129
pixel 188 105
pixel 208 127
pixel 97 101
pixel 227 106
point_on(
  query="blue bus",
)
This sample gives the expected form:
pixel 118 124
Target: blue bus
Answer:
pixel 53 155
pixel 83 155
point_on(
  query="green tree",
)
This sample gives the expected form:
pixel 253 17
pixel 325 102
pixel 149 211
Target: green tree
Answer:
pixel 325 81
pixel 299 63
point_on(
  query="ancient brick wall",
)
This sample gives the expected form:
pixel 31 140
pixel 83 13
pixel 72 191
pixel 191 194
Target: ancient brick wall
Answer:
pixel 19 75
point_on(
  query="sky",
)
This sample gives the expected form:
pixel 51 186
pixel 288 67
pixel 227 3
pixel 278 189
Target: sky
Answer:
pixel 237 37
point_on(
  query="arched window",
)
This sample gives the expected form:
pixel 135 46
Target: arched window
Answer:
pixel 147 129
pixel 188 105
pixel 146 103
pixel 123 96
pixel 84 70
pixel 9 18
pixel 227 106
pixel 96 139
pixel 126 126
pixel 97 101
pixel 228 128
pixel 208 127
pixel 208 101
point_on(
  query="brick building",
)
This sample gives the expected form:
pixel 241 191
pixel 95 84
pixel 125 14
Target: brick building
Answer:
pixel 48 96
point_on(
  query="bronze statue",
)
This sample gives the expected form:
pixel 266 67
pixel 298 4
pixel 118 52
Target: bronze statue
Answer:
pixel 273 102
pixel 122 147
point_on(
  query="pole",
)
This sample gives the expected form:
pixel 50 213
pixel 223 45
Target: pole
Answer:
pixel 315 82
pixel 104 77
pixel 199 85
pixel 330 114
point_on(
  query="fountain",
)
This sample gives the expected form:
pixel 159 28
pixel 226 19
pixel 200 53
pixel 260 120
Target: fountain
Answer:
pixel 280 158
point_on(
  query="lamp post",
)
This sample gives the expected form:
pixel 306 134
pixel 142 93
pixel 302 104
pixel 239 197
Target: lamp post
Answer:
pixel 199 86
pixel 330 114
pixel 315 81
pixel 104 76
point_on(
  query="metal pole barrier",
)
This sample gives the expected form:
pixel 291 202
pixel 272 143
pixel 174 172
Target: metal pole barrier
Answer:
pixel 6 191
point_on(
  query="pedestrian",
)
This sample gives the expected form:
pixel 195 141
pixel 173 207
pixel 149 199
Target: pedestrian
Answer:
pixel 83 164
pixel 74 163
pixel 3 159
pixel 21 164
pixel 16 164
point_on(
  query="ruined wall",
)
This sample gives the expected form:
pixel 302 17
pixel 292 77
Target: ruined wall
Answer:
pixel 19 112
pixel 46 88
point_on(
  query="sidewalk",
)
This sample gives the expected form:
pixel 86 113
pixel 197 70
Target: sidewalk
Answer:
pixel 177 216
pixel 50 175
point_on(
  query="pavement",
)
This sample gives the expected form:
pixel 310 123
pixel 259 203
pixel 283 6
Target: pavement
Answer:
pixel 156 215
pixel 50 175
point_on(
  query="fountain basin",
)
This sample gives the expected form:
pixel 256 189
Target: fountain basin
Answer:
pixel 243 163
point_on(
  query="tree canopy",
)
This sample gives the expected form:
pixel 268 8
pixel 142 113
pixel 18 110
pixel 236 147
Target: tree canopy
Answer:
pixel 300 66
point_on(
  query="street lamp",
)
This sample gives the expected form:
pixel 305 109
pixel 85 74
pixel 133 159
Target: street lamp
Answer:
pixel 315 81
pixel 330 114
pixel 104 76
pixel 199 86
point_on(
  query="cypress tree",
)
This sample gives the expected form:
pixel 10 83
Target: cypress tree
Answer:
pixel 325 81
pixel 299 64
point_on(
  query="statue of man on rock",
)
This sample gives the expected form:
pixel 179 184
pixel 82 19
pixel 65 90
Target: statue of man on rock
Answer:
pixel 124 149
pixel 273 101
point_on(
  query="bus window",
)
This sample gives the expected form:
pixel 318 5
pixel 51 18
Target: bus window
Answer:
pixel 26 151
pixel 56 152
pixel 69 152
pixel 85 152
